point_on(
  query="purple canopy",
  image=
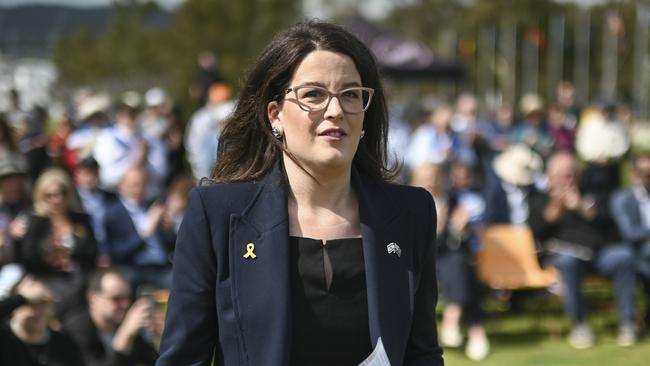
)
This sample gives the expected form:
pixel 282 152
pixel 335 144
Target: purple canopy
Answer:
pixel 399 58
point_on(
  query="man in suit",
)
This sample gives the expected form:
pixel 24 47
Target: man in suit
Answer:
pixel 111 331
pixel 94 202
pixel 630 209
pixel 134 237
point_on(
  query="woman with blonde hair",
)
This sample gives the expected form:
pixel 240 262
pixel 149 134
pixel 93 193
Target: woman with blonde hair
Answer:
pixel 59 243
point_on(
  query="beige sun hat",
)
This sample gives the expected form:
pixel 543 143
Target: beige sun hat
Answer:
pixel 92 104
pixel 531 103
pixel 518 165
pixel 599 140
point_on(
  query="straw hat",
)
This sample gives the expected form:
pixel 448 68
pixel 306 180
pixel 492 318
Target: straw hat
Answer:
pixel 518 165
pixel 531 103
pixel 93 104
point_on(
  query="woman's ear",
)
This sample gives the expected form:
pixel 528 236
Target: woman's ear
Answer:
pixel 273 113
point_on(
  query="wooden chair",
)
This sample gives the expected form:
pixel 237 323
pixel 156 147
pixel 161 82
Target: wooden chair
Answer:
pixel 508 260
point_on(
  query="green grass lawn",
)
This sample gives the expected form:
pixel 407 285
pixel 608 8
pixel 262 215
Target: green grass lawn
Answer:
pixel 526 350
pixel 537 336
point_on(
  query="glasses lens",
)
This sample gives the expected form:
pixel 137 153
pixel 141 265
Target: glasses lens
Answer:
pixel 352 100
pixel 355 100
pixel 312 98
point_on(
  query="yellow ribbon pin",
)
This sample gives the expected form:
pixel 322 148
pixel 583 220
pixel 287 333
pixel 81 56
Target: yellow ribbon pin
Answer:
pixel 250 247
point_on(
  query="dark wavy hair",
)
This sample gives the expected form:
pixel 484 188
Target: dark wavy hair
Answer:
pixel 248 149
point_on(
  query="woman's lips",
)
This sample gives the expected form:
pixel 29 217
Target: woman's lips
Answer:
pixel 333 134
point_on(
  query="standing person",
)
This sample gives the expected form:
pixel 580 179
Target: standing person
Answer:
pixel 203 131
pixel 301 253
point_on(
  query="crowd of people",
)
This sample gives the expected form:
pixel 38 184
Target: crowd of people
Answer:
pixel 90 205
pixel 576 176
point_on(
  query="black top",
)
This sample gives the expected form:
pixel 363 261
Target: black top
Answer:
pixel 571 227
pixel 82 329
pixel 329 302
pixel 58 350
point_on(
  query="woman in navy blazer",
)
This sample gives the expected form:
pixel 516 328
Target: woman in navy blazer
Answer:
pixel 302 160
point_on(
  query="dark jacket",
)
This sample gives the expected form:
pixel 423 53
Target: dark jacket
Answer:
pixel 122 239
pixel 572 227
pixel 624 208
pixel 34 245
pixel 59 350
pixel 83 331
pixel 240 308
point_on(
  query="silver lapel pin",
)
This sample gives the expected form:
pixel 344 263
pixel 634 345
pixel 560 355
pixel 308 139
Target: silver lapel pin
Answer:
pixel 393 248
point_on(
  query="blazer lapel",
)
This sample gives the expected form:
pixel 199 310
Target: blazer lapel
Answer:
pixel 261 284
pixel 389 276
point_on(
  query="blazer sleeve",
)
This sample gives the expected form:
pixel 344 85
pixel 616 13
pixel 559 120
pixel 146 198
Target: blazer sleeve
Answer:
pixel 621 210
pixel 190 333
pixel 423 348
pixel 122 239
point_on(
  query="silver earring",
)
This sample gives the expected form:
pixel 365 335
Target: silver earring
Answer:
pixel 276 132
pixel 363 133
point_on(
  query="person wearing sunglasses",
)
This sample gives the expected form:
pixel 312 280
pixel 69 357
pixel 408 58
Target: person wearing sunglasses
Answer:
pixel 59 244
pixel 298 250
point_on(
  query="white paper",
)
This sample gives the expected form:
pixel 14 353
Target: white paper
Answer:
pixel 378 357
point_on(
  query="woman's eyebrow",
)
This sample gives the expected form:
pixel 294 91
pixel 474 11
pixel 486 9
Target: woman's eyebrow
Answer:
pixel 317 83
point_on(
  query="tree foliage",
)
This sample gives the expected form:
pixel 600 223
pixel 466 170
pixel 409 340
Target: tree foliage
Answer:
pixel 235 30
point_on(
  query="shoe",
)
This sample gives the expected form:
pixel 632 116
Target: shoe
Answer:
pixel 626 335
pixel 581 337
pixel 451 337
pixel 477 348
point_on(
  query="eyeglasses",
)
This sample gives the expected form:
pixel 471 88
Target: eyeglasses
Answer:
pixel 50 195
pixel 312 98
pixel 117 298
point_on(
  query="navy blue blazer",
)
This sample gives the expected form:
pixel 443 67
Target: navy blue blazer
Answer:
pixel 122 238
pixel 240 309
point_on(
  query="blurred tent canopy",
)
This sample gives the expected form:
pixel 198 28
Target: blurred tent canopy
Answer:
pixel 399 58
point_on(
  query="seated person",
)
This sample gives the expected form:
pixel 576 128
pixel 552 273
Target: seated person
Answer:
pixel 569 223
pixel 94 201
pixel 510 179
pixel 459 214
pixel 112 331
pixel 59 244
pixel 135 236
pixel 26 340
pixel 630 209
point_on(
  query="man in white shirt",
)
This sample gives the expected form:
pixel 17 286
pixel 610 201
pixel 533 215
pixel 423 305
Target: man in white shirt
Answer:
pixel 204 128
pixel 122 146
